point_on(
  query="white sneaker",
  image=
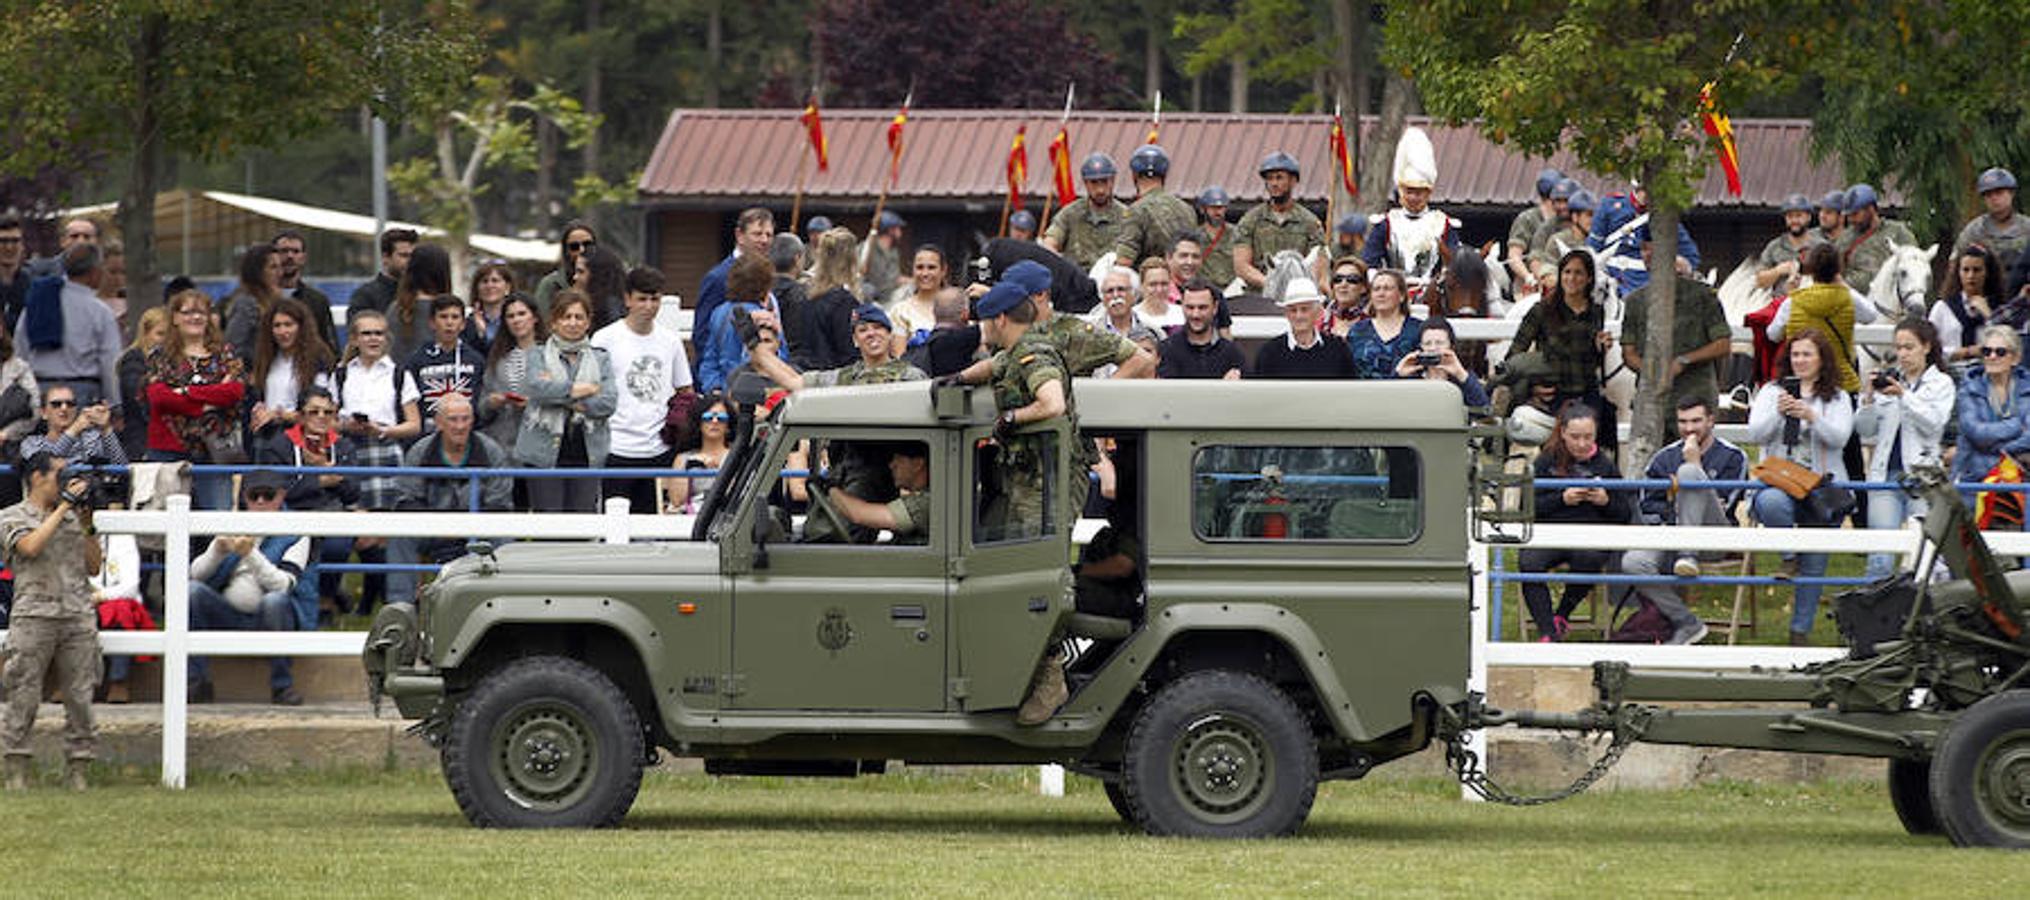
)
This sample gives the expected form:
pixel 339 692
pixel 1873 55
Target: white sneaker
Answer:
pixel 1687 566
pixel 1689 634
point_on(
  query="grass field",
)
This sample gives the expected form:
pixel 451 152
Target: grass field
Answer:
pixel 399 834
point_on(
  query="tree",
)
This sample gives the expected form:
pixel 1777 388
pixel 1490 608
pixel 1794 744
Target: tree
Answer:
pixel 1616 82
pixel 1926 95
pixel 163 78
pixel 959 54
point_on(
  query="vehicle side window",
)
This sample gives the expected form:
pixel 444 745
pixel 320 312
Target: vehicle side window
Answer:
pixel 1017 488
pixel 1289 493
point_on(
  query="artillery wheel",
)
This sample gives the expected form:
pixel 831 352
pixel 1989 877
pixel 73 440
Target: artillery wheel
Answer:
pixel 544 742
pixel 1910 794
pixel 1220 754
pixel 1980 776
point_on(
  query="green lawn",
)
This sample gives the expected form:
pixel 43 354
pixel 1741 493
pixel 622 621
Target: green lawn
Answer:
pixel 399 834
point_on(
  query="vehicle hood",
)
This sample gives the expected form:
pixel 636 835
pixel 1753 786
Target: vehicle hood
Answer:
pixel 588 559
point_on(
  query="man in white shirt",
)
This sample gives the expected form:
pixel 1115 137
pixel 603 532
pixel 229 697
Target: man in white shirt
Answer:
pixel 649 364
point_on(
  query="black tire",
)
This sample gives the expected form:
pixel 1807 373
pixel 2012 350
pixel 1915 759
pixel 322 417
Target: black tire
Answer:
pixel 1910 794
pixel 1220 754
pixel 1980 776
pixel 1117 797
pixel 544 742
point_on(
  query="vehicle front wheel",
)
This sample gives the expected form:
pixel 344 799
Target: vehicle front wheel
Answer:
pixel 1220 754
pixel 544 742
pixel 1980 775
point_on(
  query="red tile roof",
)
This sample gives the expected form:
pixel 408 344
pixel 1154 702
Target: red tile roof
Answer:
pixel 710 157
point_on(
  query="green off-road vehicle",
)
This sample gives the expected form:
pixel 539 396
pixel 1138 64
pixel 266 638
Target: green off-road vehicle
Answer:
pixel 1300 556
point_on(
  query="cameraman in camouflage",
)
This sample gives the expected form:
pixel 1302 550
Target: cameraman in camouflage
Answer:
pixel 47 539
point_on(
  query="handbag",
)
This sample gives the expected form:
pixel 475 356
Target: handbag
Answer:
pixel 1816 494
pixel 225 449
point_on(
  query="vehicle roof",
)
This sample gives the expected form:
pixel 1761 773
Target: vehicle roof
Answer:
pixel 1104 404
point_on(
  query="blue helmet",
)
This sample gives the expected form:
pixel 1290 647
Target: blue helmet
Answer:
pixel 889 220
pixel 1279 162
pixel 1581 201
pixel 1833 200
pixel 1213 196
pixel 817 225
pixel 1564 189
pixel 1353 223
pixel 1859 197
pixel 1097 167
pixel 1548 179
pixel 1797 203
pixel 1995 179
pixel 1150 161
pixel 1023 219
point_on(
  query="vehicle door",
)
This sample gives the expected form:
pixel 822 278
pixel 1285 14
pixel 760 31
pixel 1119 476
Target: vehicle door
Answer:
pixel 1011 577
pixel 839 626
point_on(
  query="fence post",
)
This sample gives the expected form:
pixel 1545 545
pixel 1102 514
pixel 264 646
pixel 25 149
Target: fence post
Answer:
pixel 618 530
pixel 175 640
pixel 1479 559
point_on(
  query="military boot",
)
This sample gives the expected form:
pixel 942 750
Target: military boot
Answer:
pixel 74 773
pixel 1046 693
pixel 17 773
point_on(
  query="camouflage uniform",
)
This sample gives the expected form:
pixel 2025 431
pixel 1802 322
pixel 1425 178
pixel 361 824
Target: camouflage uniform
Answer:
pixel 1018 373
pixel 852 471
pixel 1218 266
pixel 1779 250
pixel 1156 219
pixel 55 620
pixel 912 517
pixel 2006 242
pixel 1269 232
pixel 1863 253
pixel 1523 230
pixel 1544 253
pixel 884 266
pixel 1084 350
pixel 1084 234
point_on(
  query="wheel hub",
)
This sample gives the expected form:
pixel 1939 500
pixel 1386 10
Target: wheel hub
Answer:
pixel 1222 770
pixel 545 756
pixel 2005 781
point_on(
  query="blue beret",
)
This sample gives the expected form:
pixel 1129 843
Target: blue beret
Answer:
pixel 1029 275
pixel 1002 297
pixel 818 225
pixel 1353 223
pixel 868 312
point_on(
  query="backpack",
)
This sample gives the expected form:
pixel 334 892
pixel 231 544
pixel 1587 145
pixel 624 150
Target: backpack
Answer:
pixel 1647 625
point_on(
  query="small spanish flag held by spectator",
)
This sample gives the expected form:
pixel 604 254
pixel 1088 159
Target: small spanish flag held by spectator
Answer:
pixel 1721 128
pixel 1018 166
pixel 814 125
pixel 1060 168
pixel 895 138
pixel 2000 509
pixel 1342 158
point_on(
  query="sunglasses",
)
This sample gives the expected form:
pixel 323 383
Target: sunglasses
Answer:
pixel 320 412
pixel 715 417
pixel 262 495
pixel 579 246
pixel 1348 279
pixel 1996 351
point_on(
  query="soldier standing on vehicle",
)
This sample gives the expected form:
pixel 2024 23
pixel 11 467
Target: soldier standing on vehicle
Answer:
pixel 1157 216
pixel 1031 385
pixel 1086 228
pixel 47 539
pixel 1218 251
pixel 1280 223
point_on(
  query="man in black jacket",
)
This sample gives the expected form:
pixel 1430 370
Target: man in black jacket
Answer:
pixel 379 294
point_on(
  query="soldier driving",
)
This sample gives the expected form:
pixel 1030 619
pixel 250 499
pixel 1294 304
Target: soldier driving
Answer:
pixel 47 540
pixel 907 517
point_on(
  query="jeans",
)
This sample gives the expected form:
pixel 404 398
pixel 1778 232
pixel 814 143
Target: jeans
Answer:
pixel 408 551
pixel 570 495
pixel 1537 595
pixel 1889 509
pixel 1774 509
pixel 206 491
pixel 211 612
pixel 374 586
pixel 1694 509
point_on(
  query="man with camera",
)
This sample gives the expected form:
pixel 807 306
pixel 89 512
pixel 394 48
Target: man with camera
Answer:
pixel 47 539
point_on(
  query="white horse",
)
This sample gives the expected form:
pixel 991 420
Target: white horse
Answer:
pixel 1903 285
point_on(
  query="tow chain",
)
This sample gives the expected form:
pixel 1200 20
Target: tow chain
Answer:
pixel 1466 764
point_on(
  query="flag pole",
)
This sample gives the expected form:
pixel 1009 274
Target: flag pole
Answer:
pixel 796 207
pixel 1050 196
pixel 1333 187
pixel 881 201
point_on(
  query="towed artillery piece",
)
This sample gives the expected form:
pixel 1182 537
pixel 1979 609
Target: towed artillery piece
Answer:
pixel 1934 682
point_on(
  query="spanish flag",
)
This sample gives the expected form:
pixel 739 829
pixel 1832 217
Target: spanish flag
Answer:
pixel 1343 158
pixel 814 125
pixel 895 139
pixel 1155 121
pixel 1720 128
pixel 1018 166
pixel 1060 168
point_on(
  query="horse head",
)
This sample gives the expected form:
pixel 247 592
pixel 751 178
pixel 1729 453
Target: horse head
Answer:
pixel 1465 287
pixel 1903 283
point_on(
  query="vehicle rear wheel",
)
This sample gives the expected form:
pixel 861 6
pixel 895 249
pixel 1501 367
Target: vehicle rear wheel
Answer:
pixel 1910 794
pixel 1980 776
pixel 544 742
pixel 1220 754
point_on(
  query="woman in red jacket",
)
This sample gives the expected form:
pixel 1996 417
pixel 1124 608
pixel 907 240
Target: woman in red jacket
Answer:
pixel 195 390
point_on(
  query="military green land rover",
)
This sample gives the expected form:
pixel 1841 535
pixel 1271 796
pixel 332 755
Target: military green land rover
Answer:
pixel 1300 556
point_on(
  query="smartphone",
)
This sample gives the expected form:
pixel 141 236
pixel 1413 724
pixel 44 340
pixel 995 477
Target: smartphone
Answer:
pixel 361 418
pixel 1792 385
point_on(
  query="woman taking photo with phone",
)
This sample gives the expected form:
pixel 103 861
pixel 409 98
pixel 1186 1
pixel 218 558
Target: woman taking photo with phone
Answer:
pixel 1804 418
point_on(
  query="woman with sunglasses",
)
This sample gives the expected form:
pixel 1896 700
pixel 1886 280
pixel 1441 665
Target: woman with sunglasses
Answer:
pixel 571 394
pixel 578 239
pixel 1993 401
pixel 492 283
pixel 195 388
pixel 1348 293
pixel 708 451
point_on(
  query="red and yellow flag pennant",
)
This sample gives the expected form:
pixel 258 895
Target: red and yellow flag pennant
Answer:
pixel 1018 166
pixel 1342 158
pixel 1060 168
pixel 895 139
pixel 814 126
pixel 1721 128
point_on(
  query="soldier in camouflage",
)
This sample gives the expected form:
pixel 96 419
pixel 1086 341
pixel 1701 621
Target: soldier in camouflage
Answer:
pixel 1781 259
pixel 1999 229
pixel 1279 224
pixel 1217 262
pixel 1869 238
pixel 1157 216
pixel 1522 231
pixel 1087 227
pixel 47 539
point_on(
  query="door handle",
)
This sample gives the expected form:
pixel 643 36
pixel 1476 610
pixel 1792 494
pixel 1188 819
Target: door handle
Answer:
pixel 1038 605
pixel 908 613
